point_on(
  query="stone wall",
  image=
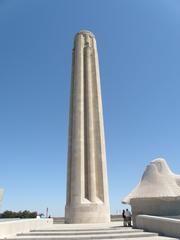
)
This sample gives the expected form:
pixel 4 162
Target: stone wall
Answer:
pixel 13 227
pixel 164 226
pixel 155 207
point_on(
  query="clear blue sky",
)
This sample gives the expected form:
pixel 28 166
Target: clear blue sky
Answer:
pixel 139 51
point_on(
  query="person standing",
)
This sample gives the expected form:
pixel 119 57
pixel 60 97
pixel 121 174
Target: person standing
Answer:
pixel 128 217
pixel 124 218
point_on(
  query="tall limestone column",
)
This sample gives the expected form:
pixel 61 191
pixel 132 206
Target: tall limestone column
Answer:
pixel 87 198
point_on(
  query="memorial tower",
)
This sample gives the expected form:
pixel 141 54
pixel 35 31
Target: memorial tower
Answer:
pixel 87 199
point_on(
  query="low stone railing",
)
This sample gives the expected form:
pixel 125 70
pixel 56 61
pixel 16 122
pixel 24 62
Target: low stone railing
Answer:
pixel 163 225
pixel 13 227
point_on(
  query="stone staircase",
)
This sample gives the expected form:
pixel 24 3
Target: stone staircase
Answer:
pixel 114 230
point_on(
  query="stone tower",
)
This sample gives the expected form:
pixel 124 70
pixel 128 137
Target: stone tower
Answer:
pixel 87 198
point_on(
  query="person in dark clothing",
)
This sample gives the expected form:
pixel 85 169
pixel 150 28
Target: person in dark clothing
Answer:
pixel 124 218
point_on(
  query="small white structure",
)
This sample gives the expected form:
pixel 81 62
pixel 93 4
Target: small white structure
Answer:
pixel 158 192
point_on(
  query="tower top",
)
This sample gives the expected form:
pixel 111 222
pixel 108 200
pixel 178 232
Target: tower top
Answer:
pixel 86 32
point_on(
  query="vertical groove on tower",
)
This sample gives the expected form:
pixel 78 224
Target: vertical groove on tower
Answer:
pixel 90 148
pixel 99 175
pixel 86 168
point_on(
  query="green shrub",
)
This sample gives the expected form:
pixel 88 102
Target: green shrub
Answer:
pixel 20 214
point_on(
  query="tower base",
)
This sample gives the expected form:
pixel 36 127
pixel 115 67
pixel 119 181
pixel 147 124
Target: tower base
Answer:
pixel 87 213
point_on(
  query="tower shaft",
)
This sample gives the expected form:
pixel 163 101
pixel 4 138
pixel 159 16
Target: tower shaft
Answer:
pixel 87 188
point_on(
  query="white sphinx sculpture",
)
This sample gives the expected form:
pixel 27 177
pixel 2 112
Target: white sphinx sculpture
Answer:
pixel 158 192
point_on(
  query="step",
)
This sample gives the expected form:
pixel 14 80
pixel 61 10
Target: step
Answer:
pixel 147 238
pixel 92 236
pixel 87 229
pixel 72 229
pixel 56 233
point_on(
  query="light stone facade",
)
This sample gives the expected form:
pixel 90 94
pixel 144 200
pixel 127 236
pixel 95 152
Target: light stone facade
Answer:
pixel 87 198
pixel 158 192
